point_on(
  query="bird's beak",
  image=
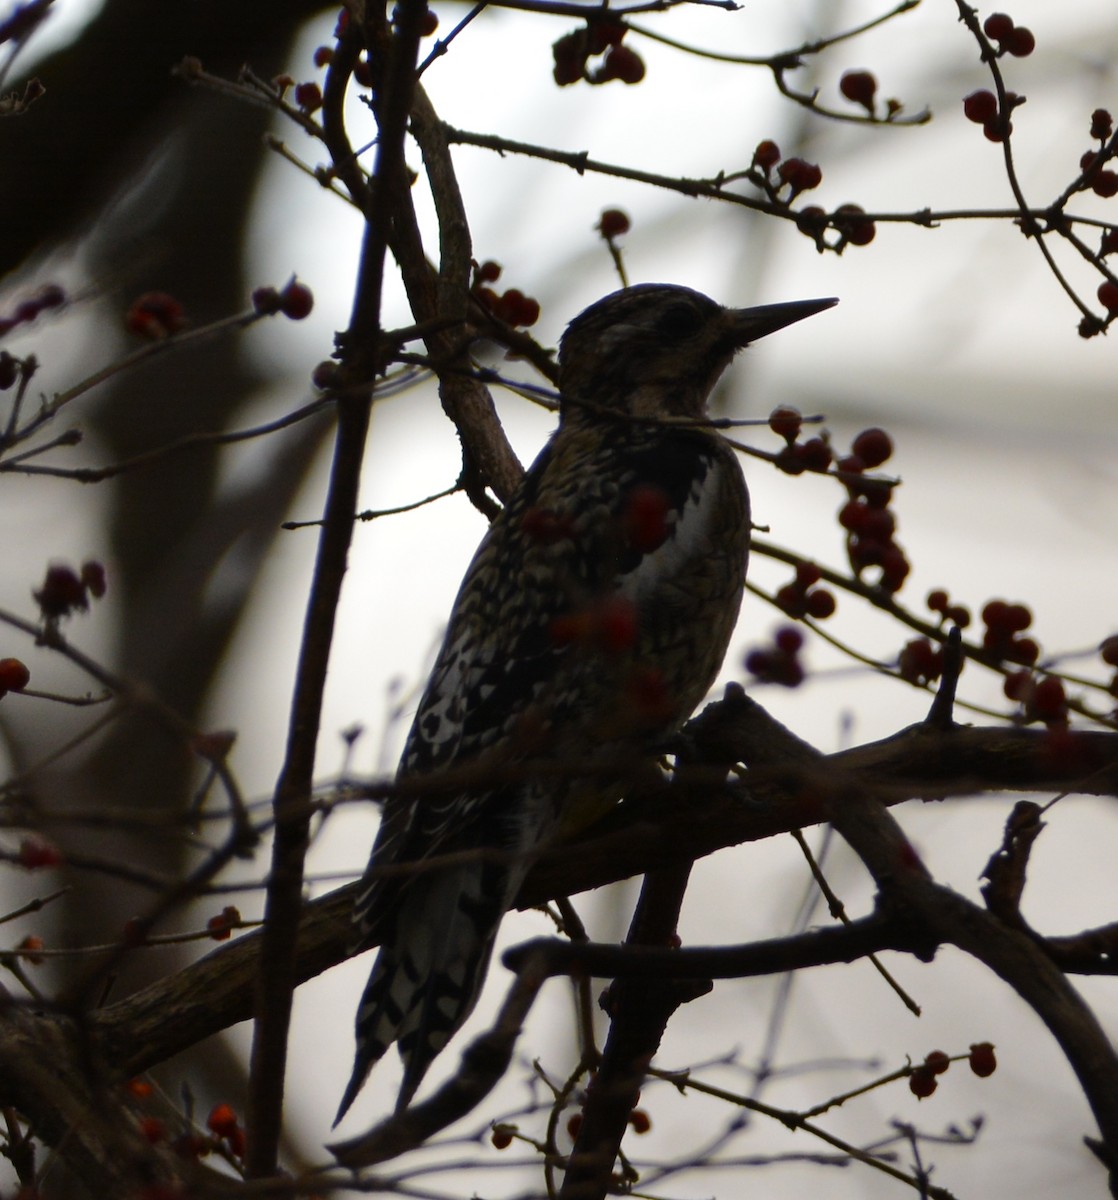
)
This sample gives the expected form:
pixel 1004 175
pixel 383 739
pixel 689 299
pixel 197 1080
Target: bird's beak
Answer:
pixel 750 324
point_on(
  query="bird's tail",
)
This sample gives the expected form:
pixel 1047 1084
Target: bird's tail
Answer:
pixel 429 971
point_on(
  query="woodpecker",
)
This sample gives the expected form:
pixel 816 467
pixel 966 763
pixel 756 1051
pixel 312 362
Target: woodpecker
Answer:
pixel 592 620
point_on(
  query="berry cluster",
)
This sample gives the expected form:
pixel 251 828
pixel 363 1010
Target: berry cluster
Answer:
pixel 1010 38
pixel 801 598
pixel 797 457
pixel 780 662
pixel 65 591
pixel 155 316
pixel 512 306
pixel 920 661
pixel 981 107
pixel 922 1079
pixel 599 37
pixel 1002 638
pixel 850 221
pixel 869 522
pixel 222 925
pixel 295 300
pixel 47 297
pixel 1041 698
pixel 940 602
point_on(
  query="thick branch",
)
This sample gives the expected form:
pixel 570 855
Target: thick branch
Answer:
pixel 211 995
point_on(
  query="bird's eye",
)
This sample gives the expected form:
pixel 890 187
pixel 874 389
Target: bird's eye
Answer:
pixel 679 320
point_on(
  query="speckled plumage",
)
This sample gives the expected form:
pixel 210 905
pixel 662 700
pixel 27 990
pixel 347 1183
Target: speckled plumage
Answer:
pixel 591 622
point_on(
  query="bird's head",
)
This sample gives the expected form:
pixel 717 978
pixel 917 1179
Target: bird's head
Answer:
pixel 657 350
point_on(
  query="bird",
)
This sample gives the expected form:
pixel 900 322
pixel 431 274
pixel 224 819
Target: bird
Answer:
pixel 590 623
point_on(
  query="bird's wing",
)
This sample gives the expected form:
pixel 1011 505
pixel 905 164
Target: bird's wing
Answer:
pixel 501 672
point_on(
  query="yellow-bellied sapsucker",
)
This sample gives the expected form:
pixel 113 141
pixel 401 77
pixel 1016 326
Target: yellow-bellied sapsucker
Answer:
pixel 591 622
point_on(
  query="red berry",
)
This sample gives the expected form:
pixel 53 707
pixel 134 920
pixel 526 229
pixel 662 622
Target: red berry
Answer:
pixel 994 615
pixel 1108 295
pixel 93 576
pixel 640 1121
pixel 958 614
pixel 859 87
pixel 800 176
pixel 820 604
pixel 36 852
pixel 9 370
pixel 501 1137
pixel 14 675
pixel 1105 184
pixel 155 315
pixel 980 106
pixel 296 301
pixel 815 454
pixel 937 1062
pixel 982 1060
pixel 920 662
pixel 1101 124
pixel 140 1088
pixel 222 1120
pixel 429 24
pixel 788 640
pixel 1017 618
pixel 266 301
pixel 645 518
pixel 998 26
pixel 153 1129
pixel 323 56
pixel 61 593
pixel 1018 686
pixel 1021 42
pixel 1023 650
pixel 808 574
pixel 1049 703
pixel 786 422
pixel 488 272
pixel 922 1082
pixel 873 446
pixel 569 53
pixel 621 63
pixel 308 96
pixel 222 925
pixel 791 600
pixel 574 1124
pixel 613 223
pixel 766 156
pixel 937 600
pixel 995 131
pixel 852 516
pixel 30 950
pixel 1108 650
